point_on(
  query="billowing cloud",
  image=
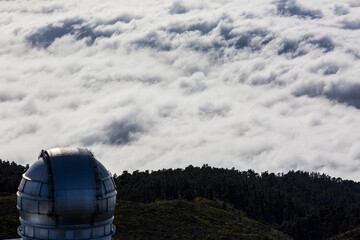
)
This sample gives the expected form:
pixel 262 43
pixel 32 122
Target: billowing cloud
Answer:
pixel 292 8
pixel 45 36
pixel 118 132
pixel 353 24
pixel 267 85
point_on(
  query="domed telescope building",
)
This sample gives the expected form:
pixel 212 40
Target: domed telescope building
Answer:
pixel 66 194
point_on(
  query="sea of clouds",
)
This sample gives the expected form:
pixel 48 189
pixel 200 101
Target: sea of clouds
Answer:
pixel 260 84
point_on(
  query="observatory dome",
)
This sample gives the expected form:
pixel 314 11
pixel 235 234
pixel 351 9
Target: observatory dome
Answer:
pixel 66 194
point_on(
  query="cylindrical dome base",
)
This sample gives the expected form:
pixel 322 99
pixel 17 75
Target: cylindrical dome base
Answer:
pixel 100 231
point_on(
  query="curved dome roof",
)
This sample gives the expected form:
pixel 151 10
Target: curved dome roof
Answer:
pixel 66 194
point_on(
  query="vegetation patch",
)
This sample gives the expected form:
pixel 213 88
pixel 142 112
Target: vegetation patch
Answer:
pixel 183 219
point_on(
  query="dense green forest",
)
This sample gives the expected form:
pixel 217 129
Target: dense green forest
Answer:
pixel 300 204
pixel 10 176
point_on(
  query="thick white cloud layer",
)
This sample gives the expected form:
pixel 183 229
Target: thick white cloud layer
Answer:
pixel 266 85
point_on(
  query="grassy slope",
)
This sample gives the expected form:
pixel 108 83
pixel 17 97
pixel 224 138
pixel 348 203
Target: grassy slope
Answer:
pixel 349 235
pixel 9 217
pixel 178 219
pixel 181 219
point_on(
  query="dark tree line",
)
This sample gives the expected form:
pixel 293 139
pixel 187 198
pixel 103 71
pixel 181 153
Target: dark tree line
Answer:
pixel 10 176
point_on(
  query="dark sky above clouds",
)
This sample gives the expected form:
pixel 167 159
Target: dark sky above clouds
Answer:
pixel 266 85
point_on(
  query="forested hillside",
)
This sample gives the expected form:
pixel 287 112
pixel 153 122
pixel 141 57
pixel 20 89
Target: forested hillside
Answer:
pixel 303 205
pixel 300 204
